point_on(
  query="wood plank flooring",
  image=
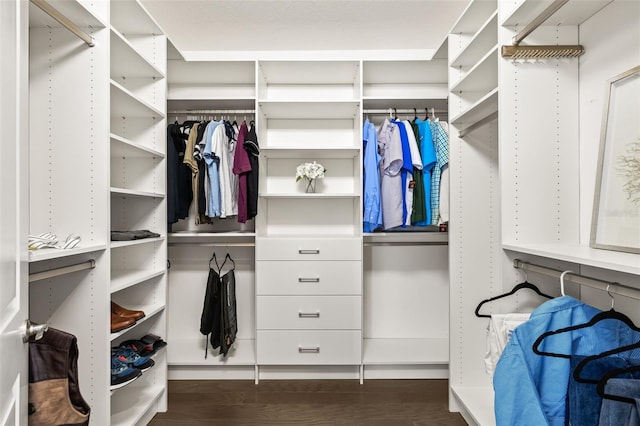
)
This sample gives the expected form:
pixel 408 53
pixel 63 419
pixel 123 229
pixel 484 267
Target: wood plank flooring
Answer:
pixel 308 402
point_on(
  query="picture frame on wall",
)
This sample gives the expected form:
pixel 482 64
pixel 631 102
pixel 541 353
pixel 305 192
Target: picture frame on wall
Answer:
pixel 615 223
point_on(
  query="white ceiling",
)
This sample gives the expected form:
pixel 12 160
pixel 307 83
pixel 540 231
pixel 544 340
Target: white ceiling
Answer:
pixel 255 29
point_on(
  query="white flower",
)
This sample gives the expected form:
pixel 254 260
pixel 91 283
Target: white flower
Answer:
pixel 310 171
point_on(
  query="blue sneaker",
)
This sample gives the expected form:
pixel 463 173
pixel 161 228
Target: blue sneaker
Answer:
pixel 132 359
pixel 122 374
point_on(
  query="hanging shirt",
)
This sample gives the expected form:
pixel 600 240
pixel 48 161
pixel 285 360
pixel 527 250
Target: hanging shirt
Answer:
pixel 219 146
pixel 499 331
pixel 191 162
pixel 406 174
pixel 214 205
pixel 429 160
pixel 419 212
pixel 416 163
pixel 531 389
pixel 372 216
pixel 444 181
pixel 253 149
pixel 391 188
pixel 441 146
pixel 241 166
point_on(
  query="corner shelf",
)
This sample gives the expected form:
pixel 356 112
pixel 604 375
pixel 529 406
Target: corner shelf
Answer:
pixel 124 147
pixel 127 61
pixel 118 244
pixel 480 109
pixel 124 103
pixel 482 40
pixel 149 311
pixel 145 397
pixel 473 16
pixel 121 279
pixel 476 402
pixel 52 253
pixel 122 192
pixel 483 77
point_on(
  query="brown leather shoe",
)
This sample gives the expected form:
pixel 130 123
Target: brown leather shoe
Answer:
pixel 126 313
pixel 120 323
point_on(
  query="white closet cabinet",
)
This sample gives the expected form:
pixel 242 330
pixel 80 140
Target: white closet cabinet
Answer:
pixel 305 313
pixel 529 196
pixel 90 175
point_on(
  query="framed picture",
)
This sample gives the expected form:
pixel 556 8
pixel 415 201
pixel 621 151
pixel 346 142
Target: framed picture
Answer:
pixel 615 223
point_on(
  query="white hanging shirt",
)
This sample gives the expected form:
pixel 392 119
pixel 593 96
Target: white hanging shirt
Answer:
pixel 498 333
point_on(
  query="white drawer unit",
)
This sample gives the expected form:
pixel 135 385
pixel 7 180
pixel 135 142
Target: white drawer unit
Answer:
pixel 309 312
pixel 309 277
pixel 308 249
pixel 309 347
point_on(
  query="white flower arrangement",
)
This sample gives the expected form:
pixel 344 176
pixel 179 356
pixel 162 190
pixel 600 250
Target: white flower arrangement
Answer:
pixel 310 171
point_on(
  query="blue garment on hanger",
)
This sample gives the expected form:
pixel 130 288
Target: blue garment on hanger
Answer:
pixel 372 214
pixel 616 413
pixel 531 389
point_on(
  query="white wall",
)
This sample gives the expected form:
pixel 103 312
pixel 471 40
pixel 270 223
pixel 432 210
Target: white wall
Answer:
pixel 610 49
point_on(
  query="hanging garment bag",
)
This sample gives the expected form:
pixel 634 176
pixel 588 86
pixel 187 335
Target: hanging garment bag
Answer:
pixel 229 317
pixel 54 392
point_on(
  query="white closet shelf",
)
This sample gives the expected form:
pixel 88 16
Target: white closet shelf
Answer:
pixel 405 237
pixel 582 254
pixel 130 17
pixel 483 77
pixel 309 72
pixel 310 152
pixel 476 402
pixel 122 192
pixel 575 12
pixel 185 237
pixel 302 195
pixel 125 104
pixel 123 147
pixel 481 41
pixel 436 99
pixel 127 61
pixel 405 351
pixel 473 16
pixel 150 311
pixel 51 253
pixel 74 10
pixel 121 279
pixel 480 109
pixel 310 109
pixel 135 403
pixel 190 352
pixel 199 96
pixel 119 244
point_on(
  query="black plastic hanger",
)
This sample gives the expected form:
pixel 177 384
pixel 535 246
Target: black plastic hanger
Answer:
pixel 581 365
pixel 521 286
pixel 613 373
pixel 611 314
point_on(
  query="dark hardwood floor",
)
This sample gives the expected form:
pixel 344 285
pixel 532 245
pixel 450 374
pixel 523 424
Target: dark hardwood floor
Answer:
pixel 308 402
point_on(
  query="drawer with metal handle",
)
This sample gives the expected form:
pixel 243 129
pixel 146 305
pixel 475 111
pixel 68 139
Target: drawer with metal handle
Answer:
pixel 317 347
pixel 309 312
pixel 269 248
pixel 308 277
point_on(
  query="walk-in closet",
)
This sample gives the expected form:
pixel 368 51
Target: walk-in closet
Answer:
pixel 342 212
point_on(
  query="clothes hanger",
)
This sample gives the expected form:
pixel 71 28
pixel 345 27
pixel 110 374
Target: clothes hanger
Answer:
pixel 611 374
pixel 521 286
pixel 600 316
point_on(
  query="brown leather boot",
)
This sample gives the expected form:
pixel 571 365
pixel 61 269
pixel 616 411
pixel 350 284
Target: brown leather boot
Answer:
pixel 120 323
pixel 126 313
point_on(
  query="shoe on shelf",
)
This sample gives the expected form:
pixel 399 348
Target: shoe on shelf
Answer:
pixel 132 359
pixel 121 373
pixel 126 313
pixel 120 323
pixel 146 346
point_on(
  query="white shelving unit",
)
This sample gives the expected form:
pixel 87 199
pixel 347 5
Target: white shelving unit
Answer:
pixel 137 188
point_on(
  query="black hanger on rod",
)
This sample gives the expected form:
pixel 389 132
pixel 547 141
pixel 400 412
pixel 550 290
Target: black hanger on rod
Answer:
pixel 601 316
pixel 524 285
pixel 611 374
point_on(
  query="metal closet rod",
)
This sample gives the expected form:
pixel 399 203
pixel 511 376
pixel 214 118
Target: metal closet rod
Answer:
pixel 211 111
pixel 56 272
pixel 64 21
pixel 403 111
pixel 538 20
pixel 405 243
pixel 186 243
pixel 611 287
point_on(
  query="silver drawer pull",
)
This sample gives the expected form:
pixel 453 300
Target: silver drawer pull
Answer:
pixel 308 280
pixel 315 350
pixel 308 314
pixel 316 251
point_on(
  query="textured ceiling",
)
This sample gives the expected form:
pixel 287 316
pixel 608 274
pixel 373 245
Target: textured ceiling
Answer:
pixel 219 26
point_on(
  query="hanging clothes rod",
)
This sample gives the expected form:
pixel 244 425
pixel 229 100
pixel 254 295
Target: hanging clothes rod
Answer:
pixel 403 111
pixel 488 119
pixel 64 21
pixel 538 20
pixel 51 273
pixel 611 287
pixel 186 243
pixel 211 111
pixel 405 243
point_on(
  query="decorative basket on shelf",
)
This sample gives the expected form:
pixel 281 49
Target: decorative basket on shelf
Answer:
pixel 310 173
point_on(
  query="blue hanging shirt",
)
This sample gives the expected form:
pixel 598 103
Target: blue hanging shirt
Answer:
pixel 372 216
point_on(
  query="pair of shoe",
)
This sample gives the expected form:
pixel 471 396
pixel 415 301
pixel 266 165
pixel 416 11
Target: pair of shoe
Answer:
pixel 122 318
pixel 148 345
pixel 127 366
